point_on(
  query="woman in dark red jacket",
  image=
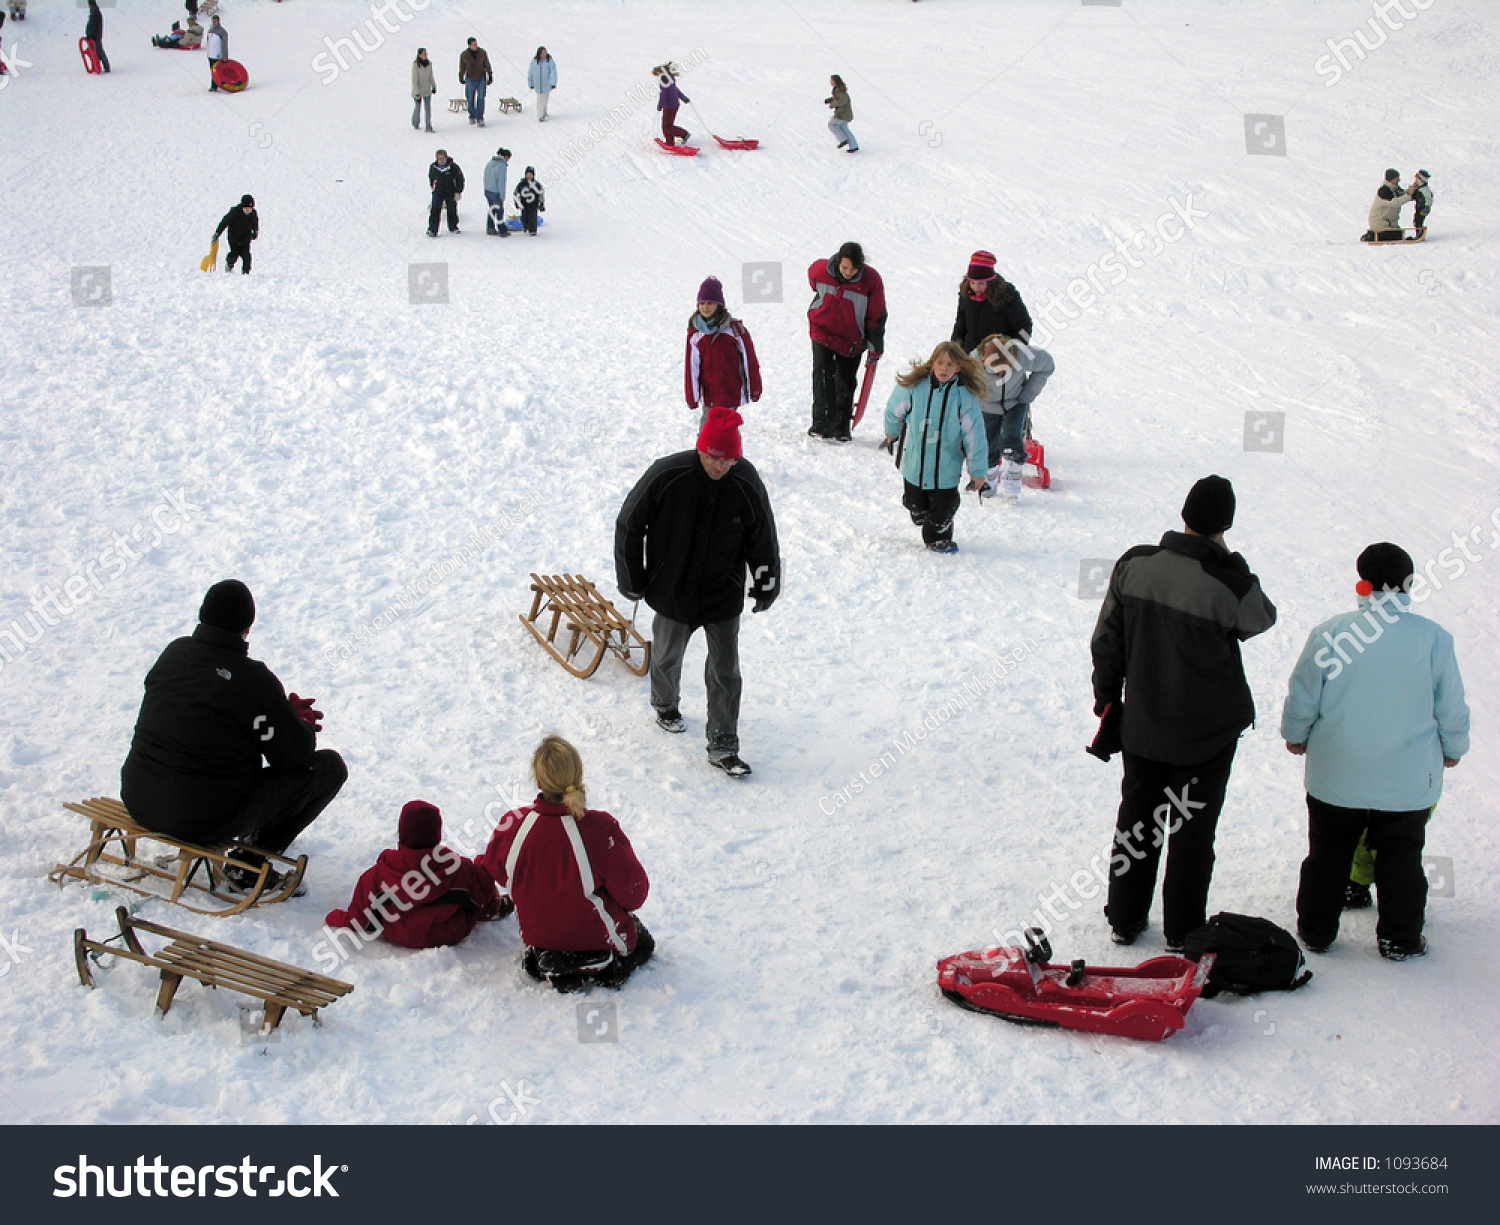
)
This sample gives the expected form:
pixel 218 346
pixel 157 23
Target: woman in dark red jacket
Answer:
pixel 574 879
pixel 721 369
pixel 421 894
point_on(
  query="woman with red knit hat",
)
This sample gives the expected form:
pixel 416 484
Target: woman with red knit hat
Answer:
pixel 420 894
pixel 721 369
pixel 988 303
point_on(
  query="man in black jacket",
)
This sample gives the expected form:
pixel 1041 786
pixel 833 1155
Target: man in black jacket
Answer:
pixel 243 224
pixel 209 715
pixel 93 30
pixel 447 183
pixel 1169 637
pixel 684 539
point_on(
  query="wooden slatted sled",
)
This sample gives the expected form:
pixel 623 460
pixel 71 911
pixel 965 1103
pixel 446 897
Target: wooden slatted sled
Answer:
pixel 277 985
pixel 196 876
pixel 593 625
pixel 510 104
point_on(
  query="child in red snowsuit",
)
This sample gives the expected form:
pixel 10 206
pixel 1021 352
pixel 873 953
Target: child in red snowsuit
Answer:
pixel 721 369
pixel 421 894
pixel 574 879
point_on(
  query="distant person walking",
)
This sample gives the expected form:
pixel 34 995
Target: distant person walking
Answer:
pixel 475 75
pixel 243 224
pixel 423 86
pixel 843 114
pixel 541 76
pixel 93 30
pixel 447 183
pixel 217 46
pixel 669 99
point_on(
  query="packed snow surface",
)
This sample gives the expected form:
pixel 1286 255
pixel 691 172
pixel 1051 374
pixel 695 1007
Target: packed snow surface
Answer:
pixel 334 443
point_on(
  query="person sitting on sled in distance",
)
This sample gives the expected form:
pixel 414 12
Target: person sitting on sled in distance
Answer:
pixel 1385 210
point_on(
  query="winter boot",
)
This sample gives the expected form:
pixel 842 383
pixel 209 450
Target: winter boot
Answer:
pixel 1357 896
pixel 991 484
pixel 1401 950
pixel 1010 479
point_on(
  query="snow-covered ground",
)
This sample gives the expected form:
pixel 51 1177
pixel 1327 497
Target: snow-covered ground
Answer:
pixel 335 442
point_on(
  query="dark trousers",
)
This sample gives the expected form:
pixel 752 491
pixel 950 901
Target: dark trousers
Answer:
pixel 1006 434
pixel 103 59
pixel 438 202
pixel 238 252
pixel 213 83
pixel 1419 218
pixel 1397 838
pixel 1159 803
pixel 721 676
pixel 669 129
pixel 932 510
pixel 283 803
pixel 833 378
pixel 528 218
pixel 572 971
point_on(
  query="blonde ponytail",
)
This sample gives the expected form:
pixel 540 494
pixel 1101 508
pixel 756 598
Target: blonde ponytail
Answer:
pixel 559 774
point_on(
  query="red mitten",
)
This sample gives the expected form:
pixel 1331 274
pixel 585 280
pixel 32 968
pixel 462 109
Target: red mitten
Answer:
pixel 306 711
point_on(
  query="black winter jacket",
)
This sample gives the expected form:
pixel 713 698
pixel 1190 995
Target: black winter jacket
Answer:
pixel 1169 635
pixel 94 28
pixel 683 541
pixel 209 715
pixel 447 180
pixel 976 320
pixel 243 227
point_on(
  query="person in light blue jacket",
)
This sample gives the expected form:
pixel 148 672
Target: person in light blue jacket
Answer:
pixel 934 410
pixel 495 171
pixel 1376 705
pixel 541 76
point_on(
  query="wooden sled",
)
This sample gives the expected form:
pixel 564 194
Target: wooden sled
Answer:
pixel 112 840
pixel 591 621
pixel 277 985
pixel 457 106
pixel 509 104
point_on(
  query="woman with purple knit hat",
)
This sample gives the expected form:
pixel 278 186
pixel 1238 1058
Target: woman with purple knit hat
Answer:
pixel 720 368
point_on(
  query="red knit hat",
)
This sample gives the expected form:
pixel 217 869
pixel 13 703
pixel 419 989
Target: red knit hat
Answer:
pixel 421 826
pixel 720 436
pixel 981 266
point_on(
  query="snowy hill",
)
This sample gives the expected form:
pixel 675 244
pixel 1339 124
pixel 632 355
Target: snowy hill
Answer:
pixel 333 443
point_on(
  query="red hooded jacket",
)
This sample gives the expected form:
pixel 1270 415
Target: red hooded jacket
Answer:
pixel 413 882
pixel 846 316
pixel 535 852
pixel 721 369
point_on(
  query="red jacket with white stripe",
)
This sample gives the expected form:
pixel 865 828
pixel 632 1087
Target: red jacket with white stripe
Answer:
pixel 721 370
pixel 846 316
pixel 574 881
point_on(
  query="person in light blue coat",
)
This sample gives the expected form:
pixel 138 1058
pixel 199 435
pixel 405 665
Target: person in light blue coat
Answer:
pixel 541 76
pixel 1376 705
pixel 934 410
pixel 495 171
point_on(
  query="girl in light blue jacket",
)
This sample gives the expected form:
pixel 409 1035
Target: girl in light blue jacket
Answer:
pixel 934 411
pixel 1376 705
pixel 541 76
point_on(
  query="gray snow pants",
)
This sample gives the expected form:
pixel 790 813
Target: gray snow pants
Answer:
pixel 721 677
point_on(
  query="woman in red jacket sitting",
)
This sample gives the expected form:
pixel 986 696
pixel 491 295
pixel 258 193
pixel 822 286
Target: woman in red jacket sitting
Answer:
pixel 574 879
pixel 421 894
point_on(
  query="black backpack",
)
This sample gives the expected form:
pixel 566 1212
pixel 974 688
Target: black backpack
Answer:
pixel 1253 955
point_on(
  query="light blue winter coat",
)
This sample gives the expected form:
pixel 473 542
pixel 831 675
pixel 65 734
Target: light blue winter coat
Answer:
pixel 1378 701
pixel 542 75
pixel 943 425
pixel 494 175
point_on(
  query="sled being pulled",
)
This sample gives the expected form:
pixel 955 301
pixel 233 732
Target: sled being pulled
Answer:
pixel 195 874
pixel 593 624
pixel 679 150
pixel 1149 1002
pixel 737 144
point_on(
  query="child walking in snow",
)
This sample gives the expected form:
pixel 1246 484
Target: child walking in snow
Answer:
pixel 574 878
pixel 1014 375
pixel 531 200
pixel 243 224
pixel 668 100
pixel 935 403
pixel 721 370
pixel 843 114
pixel 420 894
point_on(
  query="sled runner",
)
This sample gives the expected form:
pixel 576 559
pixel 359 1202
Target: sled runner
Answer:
pixel 737 144
pixel 1036 457
pixel 1148 1002
pixel 591 622
pixel 230 75
pixel 677 150
pixel 864 390
pixel 112 842
pixel 90 55
pixel 277 985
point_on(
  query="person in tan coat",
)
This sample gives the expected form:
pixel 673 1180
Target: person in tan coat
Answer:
pixel 1385 210
pixel 423 86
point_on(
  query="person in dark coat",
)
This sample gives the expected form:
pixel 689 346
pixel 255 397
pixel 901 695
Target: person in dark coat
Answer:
pixel 93 30
pixel 210 714
pixel 420 894
pixel 530 199
pixel 447 183
pixel 574 877
pixel 988 303
pixel 846 316
pixel 684 539
pixel 1168 640
pixel 243 224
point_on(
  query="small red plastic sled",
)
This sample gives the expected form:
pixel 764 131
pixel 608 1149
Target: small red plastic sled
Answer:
pixel 1036 457
pixel 737 144
pixel 679 150
pixel 1149 1002
pixel 864 390
pixel 90 55
pixel 230 75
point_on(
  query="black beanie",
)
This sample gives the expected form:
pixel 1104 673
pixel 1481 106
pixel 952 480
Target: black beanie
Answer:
pixel 1209 508
pixel 228 606
pixel 1385 566
pixel 247 201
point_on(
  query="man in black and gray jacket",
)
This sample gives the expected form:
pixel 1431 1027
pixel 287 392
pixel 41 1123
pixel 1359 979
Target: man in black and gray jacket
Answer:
pixel 1168 639
pixel 685 538
pixel 209 716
